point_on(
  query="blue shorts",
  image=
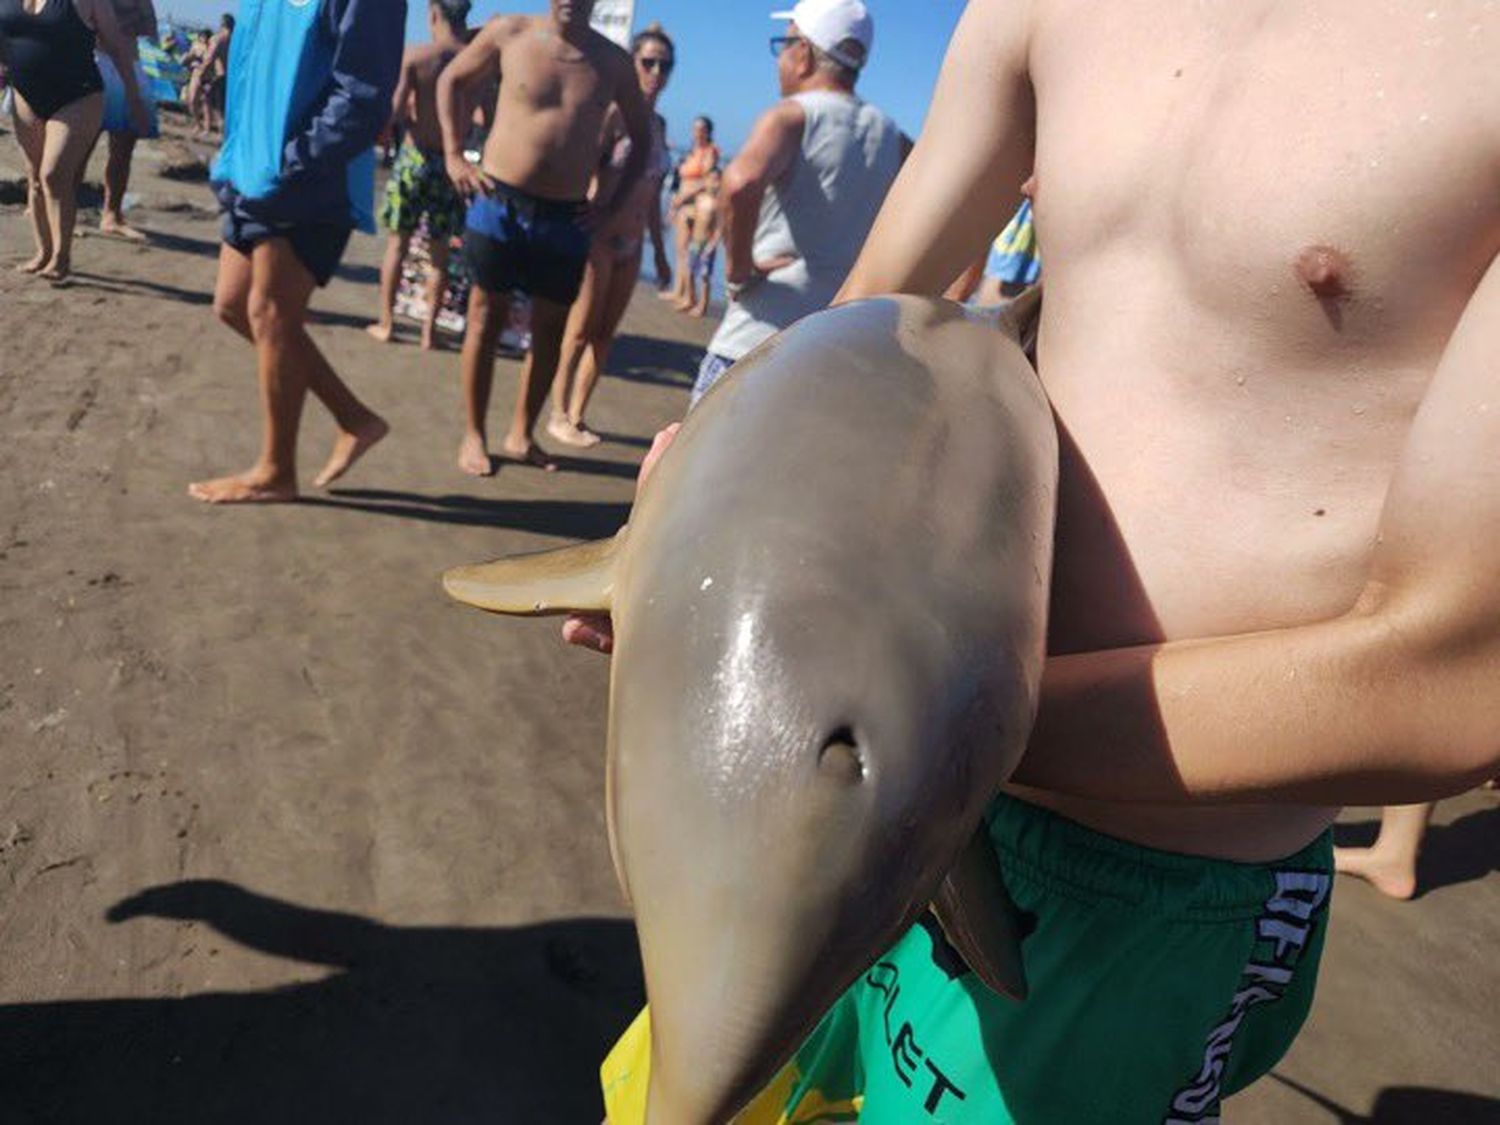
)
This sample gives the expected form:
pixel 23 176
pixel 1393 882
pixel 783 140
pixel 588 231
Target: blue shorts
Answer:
pixel 701 261
pixel 318 246
pixel 514 242
pixel 710 371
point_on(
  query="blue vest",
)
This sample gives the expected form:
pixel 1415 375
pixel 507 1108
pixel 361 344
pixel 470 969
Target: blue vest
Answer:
pixel 280 74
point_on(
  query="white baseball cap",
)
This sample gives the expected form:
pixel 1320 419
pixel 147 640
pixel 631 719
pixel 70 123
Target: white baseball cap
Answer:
pixel 827 23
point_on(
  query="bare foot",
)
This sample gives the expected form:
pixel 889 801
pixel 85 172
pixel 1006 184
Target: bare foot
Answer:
pixel 119 228
pixel 530 454
pixel 430 341
pixel 562 428
pixel 1388 876
pixel 34 265
pixel 586 437
pixel 474 458
pixel 349 447
pixel 683 306
pixel 59 277
pixel 247 488
pixel 380 331
pixel 697 311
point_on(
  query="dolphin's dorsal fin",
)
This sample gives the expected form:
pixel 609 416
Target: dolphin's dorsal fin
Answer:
pixel 980 920
pixel 572 579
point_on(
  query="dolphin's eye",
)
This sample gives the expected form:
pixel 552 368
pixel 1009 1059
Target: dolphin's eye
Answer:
pixel 840 757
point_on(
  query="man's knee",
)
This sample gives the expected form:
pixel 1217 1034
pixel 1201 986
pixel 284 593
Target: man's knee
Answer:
pixel 271 316
pixel 232 311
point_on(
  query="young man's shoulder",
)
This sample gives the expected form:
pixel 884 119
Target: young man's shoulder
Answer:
pixel 503 28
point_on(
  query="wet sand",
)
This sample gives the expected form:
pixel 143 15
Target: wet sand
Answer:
pixel 286 835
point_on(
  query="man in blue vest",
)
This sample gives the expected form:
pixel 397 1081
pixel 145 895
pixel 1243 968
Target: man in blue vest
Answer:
pixel 310 84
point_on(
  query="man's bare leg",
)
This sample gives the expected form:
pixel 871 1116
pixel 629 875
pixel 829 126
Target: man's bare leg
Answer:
pixel 1390 864
pixel 548 322
pixel 437 290
pixel 116 181
pixel 390 277
pixel 486 316
pixel 288 364
pixel 31 134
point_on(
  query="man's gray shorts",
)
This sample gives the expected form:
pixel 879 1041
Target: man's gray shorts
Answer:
pixel 710 371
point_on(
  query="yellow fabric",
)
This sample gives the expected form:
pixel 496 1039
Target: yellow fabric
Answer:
pixel 627 1069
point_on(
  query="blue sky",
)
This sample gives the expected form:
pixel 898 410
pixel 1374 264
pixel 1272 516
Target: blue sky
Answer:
pixel 724 66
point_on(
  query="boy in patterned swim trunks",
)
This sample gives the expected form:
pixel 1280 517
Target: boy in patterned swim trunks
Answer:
pixel 419 186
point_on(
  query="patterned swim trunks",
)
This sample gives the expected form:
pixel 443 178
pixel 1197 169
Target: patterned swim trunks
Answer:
pixel 418 186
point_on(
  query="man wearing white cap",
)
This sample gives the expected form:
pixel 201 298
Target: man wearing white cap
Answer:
pixel 804 191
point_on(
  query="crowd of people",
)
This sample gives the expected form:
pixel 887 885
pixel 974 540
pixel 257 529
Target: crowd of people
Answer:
pixel 1167 602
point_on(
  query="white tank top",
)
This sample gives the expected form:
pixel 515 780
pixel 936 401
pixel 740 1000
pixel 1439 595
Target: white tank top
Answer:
pixel 819 211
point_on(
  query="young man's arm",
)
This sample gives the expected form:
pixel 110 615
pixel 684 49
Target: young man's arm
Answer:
pixel 366 61
pixel 402 94
pixel 766 155
pixel 1396 701
pixel 958 187
pixel 479 61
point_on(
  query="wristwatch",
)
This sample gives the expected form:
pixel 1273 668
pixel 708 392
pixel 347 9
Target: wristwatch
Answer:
pixel 733 289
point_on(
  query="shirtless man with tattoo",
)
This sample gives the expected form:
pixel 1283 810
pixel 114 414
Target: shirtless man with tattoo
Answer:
pixel 529 221
pixel 1271 337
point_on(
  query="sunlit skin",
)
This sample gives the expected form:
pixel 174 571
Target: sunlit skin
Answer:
pixel 1272 591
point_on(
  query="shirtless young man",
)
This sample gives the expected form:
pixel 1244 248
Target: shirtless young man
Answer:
pixel 419 184
pixel 1276 384
pixel 528 224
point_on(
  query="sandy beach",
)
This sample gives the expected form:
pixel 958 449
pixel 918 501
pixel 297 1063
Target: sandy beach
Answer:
pixel 286 835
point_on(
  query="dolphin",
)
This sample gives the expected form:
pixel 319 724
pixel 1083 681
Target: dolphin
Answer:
pixel 829 611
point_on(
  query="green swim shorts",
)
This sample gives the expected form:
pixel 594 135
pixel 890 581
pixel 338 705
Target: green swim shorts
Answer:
pixel 419 186
pixel 1159 984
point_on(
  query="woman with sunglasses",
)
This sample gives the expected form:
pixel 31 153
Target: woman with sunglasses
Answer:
pixel 614 260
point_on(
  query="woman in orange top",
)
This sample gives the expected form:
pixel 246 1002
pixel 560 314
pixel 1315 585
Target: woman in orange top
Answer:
pixel 696 165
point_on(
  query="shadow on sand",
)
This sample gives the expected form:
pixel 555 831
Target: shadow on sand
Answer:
pixel 569 519
pixel 413 1024
pixel 1409 1105
pixel 649 359
pixel 1461 852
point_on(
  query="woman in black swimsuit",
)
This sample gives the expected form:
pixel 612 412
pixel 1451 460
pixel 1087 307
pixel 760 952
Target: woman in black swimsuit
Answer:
pixel 48 49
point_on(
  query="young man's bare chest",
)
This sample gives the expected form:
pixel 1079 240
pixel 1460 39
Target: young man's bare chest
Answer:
pixel 542 73
pixel 1259 224
pixel 1255 143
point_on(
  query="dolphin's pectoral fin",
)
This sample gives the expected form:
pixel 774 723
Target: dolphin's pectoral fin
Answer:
pixel 572 579
pixel 980 920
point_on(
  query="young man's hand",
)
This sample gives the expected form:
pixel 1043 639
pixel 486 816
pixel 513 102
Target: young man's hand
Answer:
pixel 594 630
pixel 468 179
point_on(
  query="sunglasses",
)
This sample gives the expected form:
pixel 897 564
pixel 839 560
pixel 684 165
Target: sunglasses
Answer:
pixel 780 43
pixel 653 65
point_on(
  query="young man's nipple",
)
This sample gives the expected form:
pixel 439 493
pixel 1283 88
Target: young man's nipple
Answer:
pixel 1325 270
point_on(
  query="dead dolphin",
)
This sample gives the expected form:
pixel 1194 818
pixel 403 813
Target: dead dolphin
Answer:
pixel 829 610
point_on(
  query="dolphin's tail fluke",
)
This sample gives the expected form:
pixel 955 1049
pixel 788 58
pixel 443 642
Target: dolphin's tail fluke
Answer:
pixel 577 579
